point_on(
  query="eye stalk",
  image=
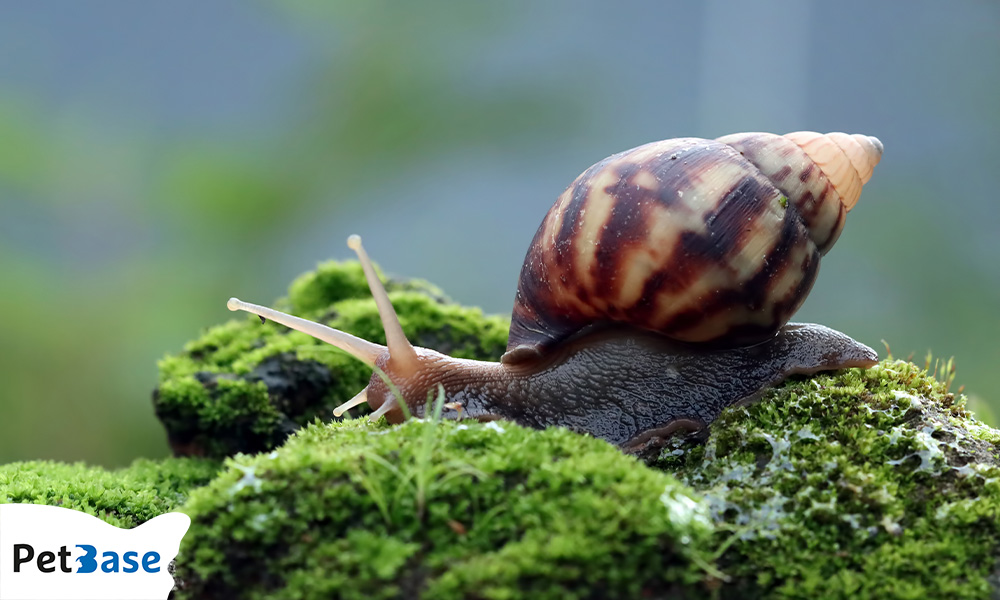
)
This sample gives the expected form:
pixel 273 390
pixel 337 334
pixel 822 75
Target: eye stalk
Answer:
pixel 360 349
pixel 401 356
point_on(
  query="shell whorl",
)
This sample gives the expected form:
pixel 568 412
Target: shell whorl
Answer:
pixel 822 174
pixel 714 241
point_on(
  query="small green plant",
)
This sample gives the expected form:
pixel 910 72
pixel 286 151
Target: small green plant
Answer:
pixel 944 370
pixel 421 476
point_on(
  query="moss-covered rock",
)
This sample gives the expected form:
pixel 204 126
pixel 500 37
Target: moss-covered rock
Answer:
pixel 245 386
pixel 123 497
pixel 444 510
pixel 861 484
pixel 858 484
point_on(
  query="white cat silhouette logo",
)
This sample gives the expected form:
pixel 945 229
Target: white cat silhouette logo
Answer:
pixel 50 552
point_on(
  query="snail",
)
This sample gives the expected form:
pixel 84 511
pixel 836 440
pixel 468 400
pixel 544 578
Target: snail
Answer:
pixel 656 292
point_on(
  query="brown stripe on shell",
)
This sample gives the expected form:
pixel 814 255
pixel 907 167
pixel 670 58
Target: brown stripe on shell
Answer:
pixel 728 225
pixel 759 291
pixel 625 227
pixel 806 173
pixel 531 288
pixel 794 299
pixel 782 310
pixel 561 256
pixel 639 275
pixel 836 229
pixel 673 168
pixel 571 211
pixel 735 223
pixel 708 315
pixel 537 319
pixel 781 174
pixel 746 312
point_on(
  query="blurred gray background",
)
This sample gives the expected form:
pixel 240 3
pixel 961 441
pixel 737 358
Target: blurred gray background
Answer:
pixel 156 159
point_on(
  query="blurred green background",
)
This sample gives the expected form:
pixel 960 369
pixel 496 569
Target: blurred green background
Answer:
pixel 158 158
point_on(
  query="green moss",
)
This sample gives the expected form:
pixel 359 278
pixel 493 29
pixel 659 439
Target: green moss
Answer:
pixel 443 510
pixel 860 484
pixel 334 281
pixel 244 386
pixel 124 497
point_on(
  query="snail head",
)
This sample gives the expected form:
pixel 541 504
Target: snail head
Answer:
pixel 398 361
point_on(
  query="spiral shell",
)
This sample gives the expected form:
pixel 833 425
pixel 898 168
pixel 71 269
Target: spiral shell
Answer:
pixel 707 241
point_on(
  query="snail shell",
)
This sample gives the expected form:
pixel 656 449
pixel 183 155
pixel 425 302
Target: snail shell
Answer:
pixel 708 241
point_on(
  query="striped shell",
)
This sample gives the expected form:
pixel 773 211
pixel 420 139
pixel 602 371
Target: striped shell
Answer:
pixel 714 241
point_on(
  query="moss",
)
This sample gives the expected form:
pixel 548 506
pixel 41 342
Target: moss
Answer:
pixel 334 281
pixel 443 510
pixel 124 497
pixel 244 386
pixel 860 484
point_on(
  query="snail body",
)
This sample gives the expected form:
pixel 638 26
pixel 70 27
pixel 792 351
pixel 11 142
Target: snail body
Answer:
pixel 656 292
